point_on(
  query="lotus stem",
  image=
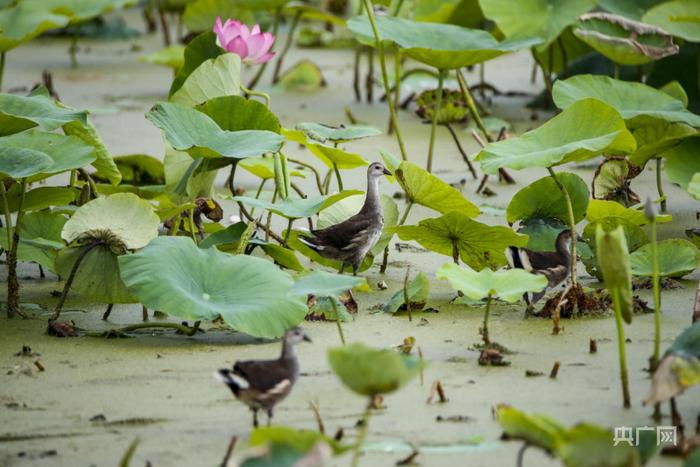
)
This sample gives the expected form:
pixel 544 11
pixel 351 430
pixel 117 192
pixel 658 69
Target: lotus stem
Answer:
pixel 397 10
pixel 269 218
pixel 73 49
pixel 268 232
pixel 362 433
pixel 572 227
pixel 144 313
pixel 616 70
pixel 317 175
pixel 407 210
pixel 545 76
pixel 433 126
pixel 657 298
pixel 485 328
pixel 564 57
pixel 621 349
pixel 289 230
pixel 397 86
pixel 11 256
pixel 385 260
pixel 338 177
pixel 257 193
pixel 482 79
pixel 327 182
pixel 192 226
pixel 164 23
pixel 2 67
pixel 369 79
pixel 287 46
pixel 469 100
pixel 108 311
pixel 406 298
pixel 660 185
pixel 385 79
pixel 455 252
pixel 337 320
pixel 74 270
pixel 261 70
pixel 461 150
pixel 186 330
pixel 356 73
pixel 249 93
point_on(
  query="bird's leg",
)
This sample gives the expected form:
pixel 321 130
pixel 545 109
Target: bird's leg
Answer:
pixel 530 308
pixel 354 269
pixel 342 268
pixel 269 417
pixel 255 417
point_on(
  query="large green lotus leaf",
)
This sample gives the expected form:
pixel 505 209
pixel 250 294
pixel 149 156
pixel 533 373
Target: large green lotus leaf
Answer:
pixel 369 371
pixel 98 274
pixel 536 430
pixel 340 134
pixel 632 9
pixel 329 155
pixel 80 10
pixel 443 46
pixel 64 152
pixel 582 131
pixel 18 113
pixel 23 22
pixel 294 208
pixel 535 18
pixel 677 257
pixel 187 129
pixel 324 284
pixel 303 76
pixel 656 136
pixel 543 199
pixel 611 181
pixel 251 294
pixel 614 265
pixel 235 113
pixel 630 99
pixel 541 233
pixel 507 285
pixel 599 209
pixel 634 236
pixel 172 57
pixel 21 163
pixel 624 41
pixel 139 170
pixel 215 77
pixel 200 15
pixel 479 245
pixel 466 13
pixel 426 189
pixel 183 181
pixel 202 48
pixel 302 248
pixel 694 186
pixel 310 12
pixel 300 440
pixel 679 17
pixel 590 445
pixel 264 167
pixel 40 198
pixel 348 207
pixel 282 256
pixel 104 163
pixel 40 238
pixel 683 162
pixel 573 49
pixel 675 90
pixel 418 292
pixel 124 215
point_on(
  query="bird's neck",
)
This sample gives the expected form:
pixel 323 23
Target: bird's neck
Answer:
pixel 563 248
pixel 288 351
pixel 372 198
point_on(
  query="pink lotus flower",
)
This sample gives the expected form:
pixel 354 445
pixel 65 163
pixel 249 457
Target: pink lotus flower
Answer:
pixel 251 45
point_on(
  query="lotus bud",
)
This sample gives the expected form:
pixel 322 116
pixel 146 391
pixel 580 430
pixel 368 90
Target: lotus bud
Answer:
pixel 614 263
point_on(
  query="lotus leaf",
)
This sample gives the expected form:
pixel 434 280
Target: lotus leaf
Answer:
pixel 40 238
pixel 63 152
pixel 138 170
pixel 624 41
pixel 324 284
pixel 479 245
pixel 426 189
pixel 535 18
pixel 675 90
pixel 200 15
pixel 582 131
pixel 187 179
pixel 23 22
pixel 340 134
pixel 279 445
pixel 632 9
pixel 329 155
pixel 679 368
pixel 631 100
pixel 230 235
pixel 312 13
pixel 537 430
pixel 235 113
pixel 215 77
pixel 466 13
pixel 541 233
pixel 443 46
pixel 299 207
pixel 21 163
pixel 694 187
pixel 172 57
pixel 369 371
pixel 263 167
pixel 251 294
pixel 303 76
pixel 202 48
pixel 79 10
pixel 19 113
pixel 634 235
pixel 679 17
pixel 103 161
pixel 40 198
pixel 508 285
pixel 614 265
pixel 657 136
pixel 123 215
pixel 543 199
pixel 677 257
pixel 418 291
pixel 600 209
pixel 612 181
pixel 683 162
pixel 188 129
pixel 285 257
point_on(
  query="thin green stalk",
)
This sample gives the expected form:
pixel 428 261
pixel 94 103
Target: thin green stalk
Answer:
pixel 369 79
pixel 2 67
pixel 361 434
pixel 545 75
pixel 261 70
pixel 657 297
pixel 616 71
pixel 11 262
pixel 73 49
pixel 337 320
pixel 338 177
pixel 356 73
pixel 11 256
pixel 385 79
pixel 269 217
pixel 317 176
pixel 621 350
pixel 289 230
pixel 73 272
pixel 572 227
pixel 433 125
pixel 469 100
pixel 8 214
pixel 397 10
pixel 485 328
pixel 250 92
pixel 287 46
pixel 192 226
pixel 409 205
pixel 397 86
pixel 257 193
pixel 660 185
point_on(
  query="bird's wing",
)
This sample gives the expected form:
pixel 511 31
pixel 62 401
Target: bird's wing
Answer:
pixel 347 234
pixel 265 375
pixel 541 260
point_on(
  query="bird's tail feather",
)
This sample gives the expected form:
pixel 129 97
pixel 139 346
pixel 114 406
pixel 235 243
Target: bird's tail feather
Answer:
pixel 309 241
pixel 229 379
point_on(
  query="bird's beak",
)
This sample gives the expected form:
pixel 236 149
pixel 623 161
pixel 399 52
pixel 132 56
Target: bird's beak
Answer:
pixel 580 239
pixel 386 172
pixel 307 338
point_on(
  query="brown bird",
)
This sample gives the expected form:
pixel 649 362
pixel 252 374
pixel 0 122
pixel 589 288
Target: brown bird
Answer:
pixel 261 384
pixel 554 265
pixel 350 240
